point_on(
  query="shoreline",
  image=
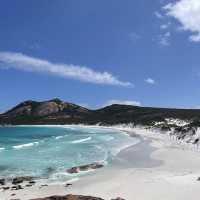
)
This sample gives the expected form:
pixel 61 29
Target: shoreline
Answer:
pixel 43 182
pixel 151 166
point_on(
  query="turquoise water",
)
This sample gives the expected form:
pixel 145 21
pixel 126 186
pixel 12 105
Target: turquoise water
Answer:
pixel 47 152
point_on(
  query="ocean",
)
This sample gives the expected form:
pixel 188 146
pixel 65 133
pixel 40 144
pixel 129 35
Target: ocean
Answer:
pixel 48 151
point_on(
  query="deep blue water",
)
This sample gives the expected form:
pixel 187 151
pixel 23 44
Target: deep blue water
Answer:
pixel 48 151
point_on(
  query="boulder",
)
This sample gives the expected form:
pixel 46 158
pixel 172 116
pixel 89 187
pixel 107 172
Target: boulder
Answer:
pixel 70 197
pixel 17 187
pixel 88 167
pixel 21 179
pixel 2 181
pixel 6 188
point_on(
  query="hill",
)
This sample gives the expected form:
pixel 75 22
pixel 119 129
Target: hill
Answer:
pixel 56 111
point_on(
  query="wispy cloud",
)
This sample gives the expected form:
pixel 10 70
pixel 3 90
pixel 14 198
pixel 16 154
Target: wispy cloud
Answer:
pixel 164 39
pixel 23 62
pixel 165 26
pixel 134 36
pixel 150 81
pixel 159 15
pixel 122 102
pixel 35 46
pixel 187 13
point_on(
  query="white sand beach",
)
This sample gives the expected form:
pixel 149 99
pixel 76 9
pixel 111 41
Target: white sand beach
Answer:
pixel 154 169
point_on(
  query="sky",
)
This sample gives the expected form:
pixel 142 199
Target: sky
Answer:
pixel 96 53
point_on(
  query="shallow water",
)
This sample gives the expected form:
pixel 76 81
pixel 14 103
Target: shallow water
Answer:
pixel 47 152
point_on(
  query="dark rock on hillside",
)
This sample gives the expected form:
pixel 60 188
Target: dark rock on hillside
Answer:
pixel 70 197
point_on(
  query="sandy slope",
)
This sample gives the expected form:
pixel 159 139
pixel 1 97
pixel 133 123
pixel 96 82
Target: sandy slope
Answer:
pixel 155 169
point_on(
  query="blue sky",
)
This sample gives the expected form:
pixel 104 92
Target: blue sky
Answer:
pixel 95 53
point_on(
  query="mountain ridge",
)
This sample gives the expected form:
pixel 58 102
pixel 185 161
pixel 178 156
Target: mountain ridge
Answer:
pixel 56 111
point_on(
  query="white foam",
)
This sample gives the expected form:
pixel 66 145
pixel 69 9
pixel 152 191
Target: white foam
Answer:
pixel 81 140
pixel 25 145
pixel 1 148
pixel 59 137
pixel 116 151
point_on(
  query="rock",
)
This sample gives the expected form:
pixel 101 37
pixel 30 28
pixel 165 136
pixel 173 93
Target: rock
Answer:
pixel 28 185
pixel 16 181
pixel 44 185
pixel 69 197
pixel 198 179
pixel 2 181
pixel 73 170
pixel 17 187
pixel 84 168
pixel 32 182
pixel 19 180
pixel 118 198
pixel 6 188
pixel 195 142
pixel 68 184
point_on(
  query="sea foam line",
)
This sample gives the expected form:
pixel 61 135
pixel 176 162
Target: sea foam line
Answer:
pixel 25 145
pixel 60 136
pixel 81 140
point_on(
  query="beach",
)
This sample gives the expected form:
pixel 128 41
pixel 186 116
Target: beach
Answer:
pixel 155 168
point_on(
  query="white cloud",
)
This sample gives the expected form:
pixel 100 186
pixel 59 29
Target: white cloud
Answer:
pixel 122 102
pixel 165 26
pixel 187 13
pixel 23 62
pixel 158 15
pixel 150 81
pixel 164 39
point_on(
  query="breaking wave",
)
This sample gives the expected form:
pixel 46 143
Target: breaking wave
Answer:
pixel 81 140
pixel 21 146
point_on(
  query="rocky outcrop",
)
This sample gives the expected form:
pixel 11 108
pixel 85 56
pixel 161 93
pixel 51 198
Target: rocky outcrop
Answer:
pixel 70 197
pixel 81 168
pixel 74 197
pixel 2 181
pixel 48 108
pixel 21 179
